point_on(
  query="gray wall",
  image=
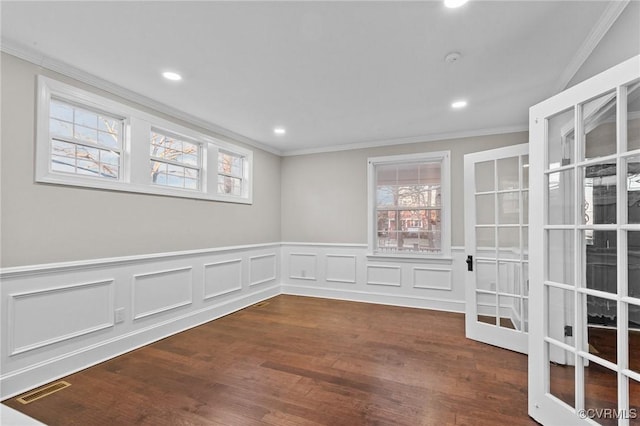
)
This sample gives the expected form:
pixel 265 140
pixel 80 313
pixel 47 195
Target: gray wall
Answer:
pixel 324 196
pixel 43 223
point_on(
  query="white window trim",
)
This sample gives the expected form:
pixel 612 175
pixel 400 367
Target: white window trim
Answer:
pixel 200 167
pixel 445 203
pixel 135 156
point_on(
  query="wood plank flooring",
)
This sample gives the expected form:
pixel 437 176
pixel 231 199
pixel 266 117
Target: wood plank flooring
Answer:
pixel 302 361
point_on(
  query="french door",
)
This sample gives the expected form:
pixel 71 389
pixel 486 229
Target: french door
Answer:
pixel 584 342
pixel 496 233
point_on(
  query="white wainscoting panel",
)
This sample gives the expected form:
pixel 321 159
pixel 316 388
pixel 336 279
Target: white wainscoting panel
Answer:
pixel 223 277
pixel 384 275
pixel 44 317
pixel 161 291
pixel 341 268
pixel 302 266
pixel 432 278
pixel 262 269
pixel 344 271
pixel 61 317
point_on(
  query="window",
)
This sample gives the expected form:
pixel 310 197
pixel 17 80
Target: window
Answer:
pixel 87 140
pixel 174 162
pixel 84 142
pixel 230 173
pixel 409 205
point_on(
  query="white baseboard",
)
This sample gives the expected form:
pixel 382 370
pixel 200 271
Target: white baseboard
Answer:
pixel 378 298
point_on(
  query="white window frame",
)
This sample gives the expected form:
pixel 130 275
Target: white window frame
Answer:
pixel 244 176
pixel 444 158
pixel 199 167
pixel 135 155
pixel 80 143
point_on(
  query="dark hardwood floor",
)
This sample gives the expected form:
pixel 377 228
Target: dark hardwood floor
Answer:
pixel 302 361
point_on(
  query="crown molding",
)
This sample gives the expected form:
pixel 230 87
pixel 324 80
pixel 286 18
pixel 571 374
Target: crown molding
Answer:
pixel 20 51
pixel 606 20
pixel 409 140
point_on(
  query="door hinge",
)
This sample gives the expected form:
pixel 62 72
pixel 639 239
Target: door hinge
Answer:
pixel 568 331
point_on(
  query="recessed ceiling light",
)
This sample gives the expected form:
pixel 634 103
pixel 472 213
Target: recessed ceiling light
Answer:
pixel 279 131
pixel 459 104
pixel 454 3
pixel 173 76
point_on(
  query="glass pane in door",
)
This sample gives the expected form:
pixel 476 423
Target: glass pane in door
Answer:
pixel 560 311
pixel 560 198
pixel 485 241
pixel 633 335
pixel 508 173
pixel 561 374
pixel 633 189
pixel 634 402
pixel 600 385
pixel 599 126
pixel 561 139
pixel 602 329
pixel 509 277
pixel 485 176
pixel 509 241
pixel 633 267
pixel 510 312
pixel 487 307
pixel 486 275
pixel 560 256
pixel 485 209
pixel 602 260
pixel 633 117
pixel 600 196
pixel 509 208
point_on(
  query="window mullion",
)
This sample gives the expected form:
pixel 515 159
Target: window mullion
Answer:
pixel 174 163
pixel 87 144
pixel 137 146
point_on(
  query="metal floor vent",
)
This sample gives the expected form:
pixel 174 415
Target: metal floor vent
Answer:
pixel 42 392
pixel 261 304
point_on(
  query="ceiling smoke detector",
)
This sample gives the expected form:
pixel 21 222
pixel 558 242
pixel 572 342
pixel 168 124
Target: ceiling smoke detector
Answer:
pixel 452 57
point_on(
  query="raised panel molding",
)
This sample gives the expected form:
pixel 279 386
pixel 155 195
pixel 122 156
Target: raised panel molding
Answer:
pixel 160 288
pixel 262 269
pixel 341 268
pixel 432 278
pixel 384 275
pixel 45 317
pixel 161 291
pixel 302 266
pixel 222 278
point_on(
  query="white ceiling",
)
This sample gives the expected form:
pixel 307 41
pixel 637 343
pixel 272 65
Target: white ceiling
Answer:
pixel 332 73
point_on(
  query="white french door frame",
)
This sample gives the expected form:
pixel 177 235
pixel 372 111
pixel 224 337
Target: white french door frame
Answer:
pixel 495 334
pixel 543 406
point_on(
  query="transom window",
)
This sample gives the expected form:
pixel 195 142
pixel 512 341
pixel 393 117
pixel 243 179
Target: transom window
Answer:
pixel 230 173
pixel 84 142
pixel 87 140
pixel 174 162
pixel 408 205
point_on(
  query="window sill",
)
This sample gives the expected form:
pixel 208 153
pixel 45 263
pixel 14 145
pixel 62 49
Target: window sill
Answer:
pixel 120 186
pixel 411 258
